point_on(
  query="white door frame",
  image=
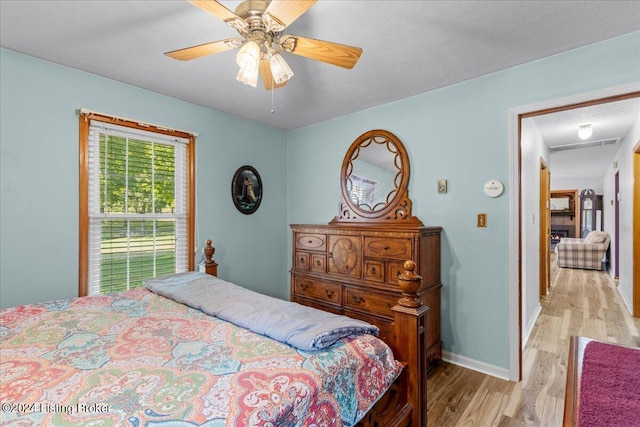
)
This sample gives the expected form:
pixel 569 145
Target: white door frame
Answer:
pixel 515 205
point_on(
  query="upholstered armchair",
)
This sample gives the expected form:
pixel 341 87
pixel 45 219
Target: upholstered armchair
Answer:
pixel 587 253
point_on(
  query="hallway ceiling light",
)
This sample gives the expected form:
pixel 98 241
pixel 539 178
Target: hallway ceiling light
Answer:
pixel 585 131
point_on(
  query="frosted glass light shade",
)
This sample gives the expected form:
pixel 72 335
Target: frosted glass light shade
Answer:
pixel 248 75
pixel 249 52
pixel 280 69
pixel 248 58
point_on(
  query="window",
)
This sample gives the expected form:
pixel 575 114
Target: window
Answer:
pixel 362 190
pixel 136 203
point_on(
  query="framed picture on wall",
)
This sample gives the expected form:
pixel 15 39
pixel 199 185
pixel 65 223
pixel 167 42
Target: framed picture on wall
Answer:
pixel 246 189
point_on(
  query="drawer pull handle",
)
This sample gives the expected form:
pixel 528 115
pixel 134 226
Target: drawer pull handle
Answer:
pixel 304 286
pixel 357 299
pixel 385 247
pixel 318 262
pixel 329 293
pixel 301 260
pixel 373 270
pixel 309 241
pixel 389 305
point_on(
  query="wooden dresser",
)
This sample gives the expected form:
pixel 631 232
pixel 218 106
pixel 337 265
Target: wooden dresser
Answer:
pixel 353 269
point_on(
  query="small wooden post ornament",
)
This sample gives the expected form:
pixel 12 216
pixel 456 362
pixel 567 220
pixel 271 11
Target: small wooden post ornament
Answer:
pixel 209 266
pixel 208 252
pixel 410 284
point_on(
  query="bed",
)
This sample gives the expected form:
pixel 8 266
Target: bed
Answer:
pixel 603 384
pixel 138 358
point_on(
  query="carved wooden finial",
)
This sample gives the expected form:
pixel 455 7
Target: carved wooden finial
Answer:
pixel 208 252
pixel 410 284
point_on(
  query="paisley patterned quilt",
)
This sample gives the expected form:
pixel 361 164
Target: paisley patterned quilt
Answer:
pixel 138 359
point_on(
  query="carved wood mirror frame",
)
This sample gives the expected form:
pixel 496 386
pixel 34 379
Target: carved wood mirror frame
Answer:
pixel 395 208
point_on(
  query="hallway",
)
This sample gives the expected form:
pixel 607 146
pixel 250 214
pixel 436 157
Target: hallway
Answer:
pixel 581 302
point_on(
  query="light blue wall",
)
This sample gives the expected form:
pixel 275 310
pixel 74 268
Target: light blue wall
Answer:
pixel 39 179
pixel 458 133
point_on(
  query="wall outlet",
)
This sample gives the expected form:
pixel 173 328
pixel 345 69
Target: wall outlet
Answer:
pixel 482 220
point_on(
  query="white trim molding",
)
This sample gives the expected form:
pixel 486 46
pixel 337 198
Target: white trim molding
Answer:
pixel 529 327
pixel 625 301
pixel 476 365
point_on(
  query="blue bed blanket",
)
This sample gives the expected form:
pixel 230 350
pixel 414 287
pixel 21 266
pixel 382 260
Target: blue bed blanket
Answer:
pixel 302 327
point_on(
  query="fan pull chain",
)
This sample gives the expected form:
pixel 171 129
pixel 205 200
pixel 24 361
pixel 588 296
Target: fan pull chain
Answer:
pixel 273 89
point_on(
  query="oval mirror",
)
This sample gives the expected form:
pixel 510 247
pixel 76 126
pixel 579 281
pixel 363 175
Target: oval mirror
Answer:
pixel 374 174
pixel 374 179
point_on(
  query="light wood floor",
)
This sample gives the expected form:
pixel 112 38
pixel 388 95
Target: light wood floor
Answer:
pixel 581 302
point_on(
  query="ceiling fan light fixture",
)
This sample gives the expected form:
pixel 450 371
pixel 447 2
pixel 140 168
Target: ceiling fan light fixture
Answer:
pixel 585 131
pixel 248 58
pixel 280 69
pixel 261 24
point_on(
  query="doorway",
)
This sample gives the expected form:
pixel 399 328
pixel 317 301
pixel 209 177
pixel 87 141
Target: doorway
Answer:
pixel 518 225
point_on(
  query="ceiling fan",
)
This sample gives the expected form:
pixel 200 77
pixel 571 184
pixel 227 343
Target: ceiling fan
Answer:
pixel 261 24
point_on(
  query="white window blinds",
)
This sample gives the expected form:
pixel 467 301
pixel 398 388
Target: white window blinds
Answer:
pixel 137 207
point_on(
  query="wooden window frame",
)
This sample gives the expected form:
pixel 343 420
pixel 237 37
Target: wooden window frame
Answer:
pixel 85 119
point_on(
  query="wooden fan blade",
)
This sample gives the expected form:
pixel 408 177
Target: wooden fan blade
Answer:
pixel 215 8
pixel 287 11
pixel 205 49
pixel 267 77
pixel 331 53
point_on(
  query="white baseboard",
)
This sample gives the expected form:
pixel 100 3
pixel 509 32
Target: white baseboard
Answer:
pixel 476 365
pixel 624 301
pixel 530 325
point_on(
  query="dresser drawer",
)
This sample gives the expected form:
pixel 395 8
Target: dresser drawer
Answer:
pixel 345 255
pixel 319 263
pixel 302 261
pixel 320 306
pixel 386 326
pixel 311 242
pixel 310 288
pixel 389 248
pixel 394 269
pixel 370 302
pixel 374 270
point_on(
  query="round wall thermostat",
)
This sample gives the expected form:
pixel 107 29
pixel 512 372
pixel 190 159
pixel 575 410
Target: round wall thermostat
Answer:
pixel 493 188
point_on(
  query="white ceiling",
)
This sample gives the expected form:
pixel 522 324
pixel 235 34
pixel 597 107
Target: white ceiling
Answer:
pixel 409 47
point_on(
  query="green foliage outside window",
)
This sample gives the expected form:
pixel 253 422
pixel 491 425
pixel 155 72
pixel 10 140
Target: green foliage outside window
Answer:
pixel 136 176
pixel 137 179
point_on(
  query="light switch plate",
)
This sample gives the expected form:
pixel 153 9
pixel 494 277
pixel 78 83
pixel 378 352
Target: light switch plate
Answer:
pixel 442 186
pixel 482 220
